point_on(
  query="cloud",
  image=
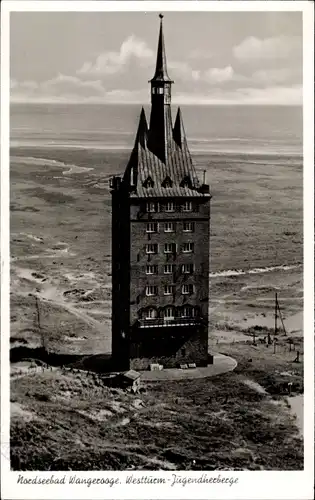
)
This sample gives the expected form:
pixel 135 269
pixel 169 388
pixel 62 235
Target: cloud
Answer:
pixel 109 63
pixel 245 96
pixel 183 71
pixel 27 84
pixel 61 87
pixel 257 49
pixel 276 76
pixel 121 76
pixel 219 75
pixel 272 95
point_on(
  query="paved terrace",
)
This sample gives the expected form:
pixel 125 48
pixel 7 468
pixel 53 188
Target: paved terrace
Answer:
pixel 221 364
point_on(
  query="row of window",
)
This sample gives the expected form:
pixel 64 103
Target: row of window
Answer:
pixel 170 206
pixel 169 227
pixel 152 290
pixel 167 183
pixel 170 313
pixel 170 269
pixel 187 247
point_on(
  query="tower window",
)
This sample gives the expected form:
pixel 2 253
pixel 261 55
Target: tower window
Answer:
pixel 152 227
pixel 188 312
pixel 153 269
pixel 160 90
pixel 169 227
pixel 169 313
pixel 169 248
pixel 187 206
pixel 169 268
pixel 187 268
pixel 150 313
pixel 151 248
pixel 188 247
pixel 187 289
pixel 152 207
pixel 169 206
pixel 151 290
pixel 168 290
pixel 188 227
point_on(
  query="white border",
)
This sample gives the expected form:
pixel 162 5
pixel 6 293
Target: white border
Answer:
pixel 251 485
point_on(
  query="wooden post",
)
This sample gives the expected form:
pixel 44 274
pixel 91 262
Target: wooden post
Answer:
pixel 42 335
pixel 276 315
pixel 274 347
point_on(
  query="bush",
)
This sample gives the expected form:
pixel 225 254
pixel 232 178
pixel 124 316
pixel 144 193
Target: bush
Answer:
pixel 41 396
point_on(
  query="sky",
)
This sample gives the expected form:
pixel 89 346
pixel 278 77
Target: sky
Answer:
pixel 108 57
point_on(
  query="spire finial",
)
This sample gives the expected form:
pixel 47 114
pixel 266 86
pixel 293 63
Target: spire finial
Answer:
pixel 160 69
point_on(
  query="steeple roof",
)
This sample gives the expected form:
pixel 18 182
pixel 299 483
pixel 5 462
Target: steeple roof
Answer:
pixel 161 67
pixel 178 130
pixel 142 133
pixel 160 164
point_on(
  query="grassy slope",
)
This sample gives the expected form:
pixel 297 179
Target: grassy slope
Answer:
pixel 221 422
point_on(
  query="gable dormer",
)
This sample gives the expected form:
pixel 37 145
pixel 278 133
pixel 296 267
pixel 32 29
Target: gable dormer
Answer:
pixel 167 183
pixel 186 182
pixel 148 183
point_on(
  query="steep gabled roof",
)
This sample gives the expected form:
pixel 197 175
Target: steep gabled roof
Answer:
pixel 144 164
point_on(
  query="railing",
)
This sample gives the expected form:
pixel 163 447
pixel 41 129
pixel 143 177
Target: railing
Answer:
pixel 163 322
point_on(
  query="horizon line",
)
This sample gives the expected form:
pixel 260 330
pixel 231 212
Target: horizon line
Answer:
pixel 140 103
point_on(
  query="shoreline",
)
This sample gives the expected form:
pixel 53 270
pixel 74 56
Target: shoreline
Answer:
pixel 16 144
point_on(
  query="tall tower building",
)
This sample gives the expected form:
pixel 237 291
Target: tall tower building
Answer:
pixel 160 243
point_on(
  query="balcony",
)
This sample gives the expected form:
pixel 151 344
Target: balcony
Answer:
pixel 174 322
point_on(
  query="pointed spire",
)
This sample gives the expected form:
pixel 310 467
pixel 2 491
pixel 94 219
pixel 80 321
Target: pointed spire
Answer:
pixel 142 132
pixel 178 130
pixel 161 69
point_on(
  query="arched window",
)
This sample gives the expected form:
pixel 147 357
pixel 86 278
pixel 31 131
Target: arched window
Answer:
pixel 169 313
pixel 167 183
pixel 150 313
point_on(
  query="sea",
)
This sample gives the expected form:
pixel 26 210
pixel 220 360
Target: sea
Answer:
pixel 250 130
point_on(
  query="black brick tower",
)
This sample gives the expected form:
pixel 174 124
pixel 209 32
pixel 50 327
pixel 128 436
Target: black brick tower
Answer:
pixel 160 243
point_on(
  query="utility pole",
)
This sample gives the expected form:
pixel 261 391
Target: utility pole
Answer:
pixel 38 323
pixel 276 316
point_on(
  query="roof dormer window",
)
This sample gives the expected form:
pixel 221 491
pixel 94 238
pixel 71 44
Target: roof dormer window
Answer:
pixel 167 183
pixel 186 182
pixel 148 183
